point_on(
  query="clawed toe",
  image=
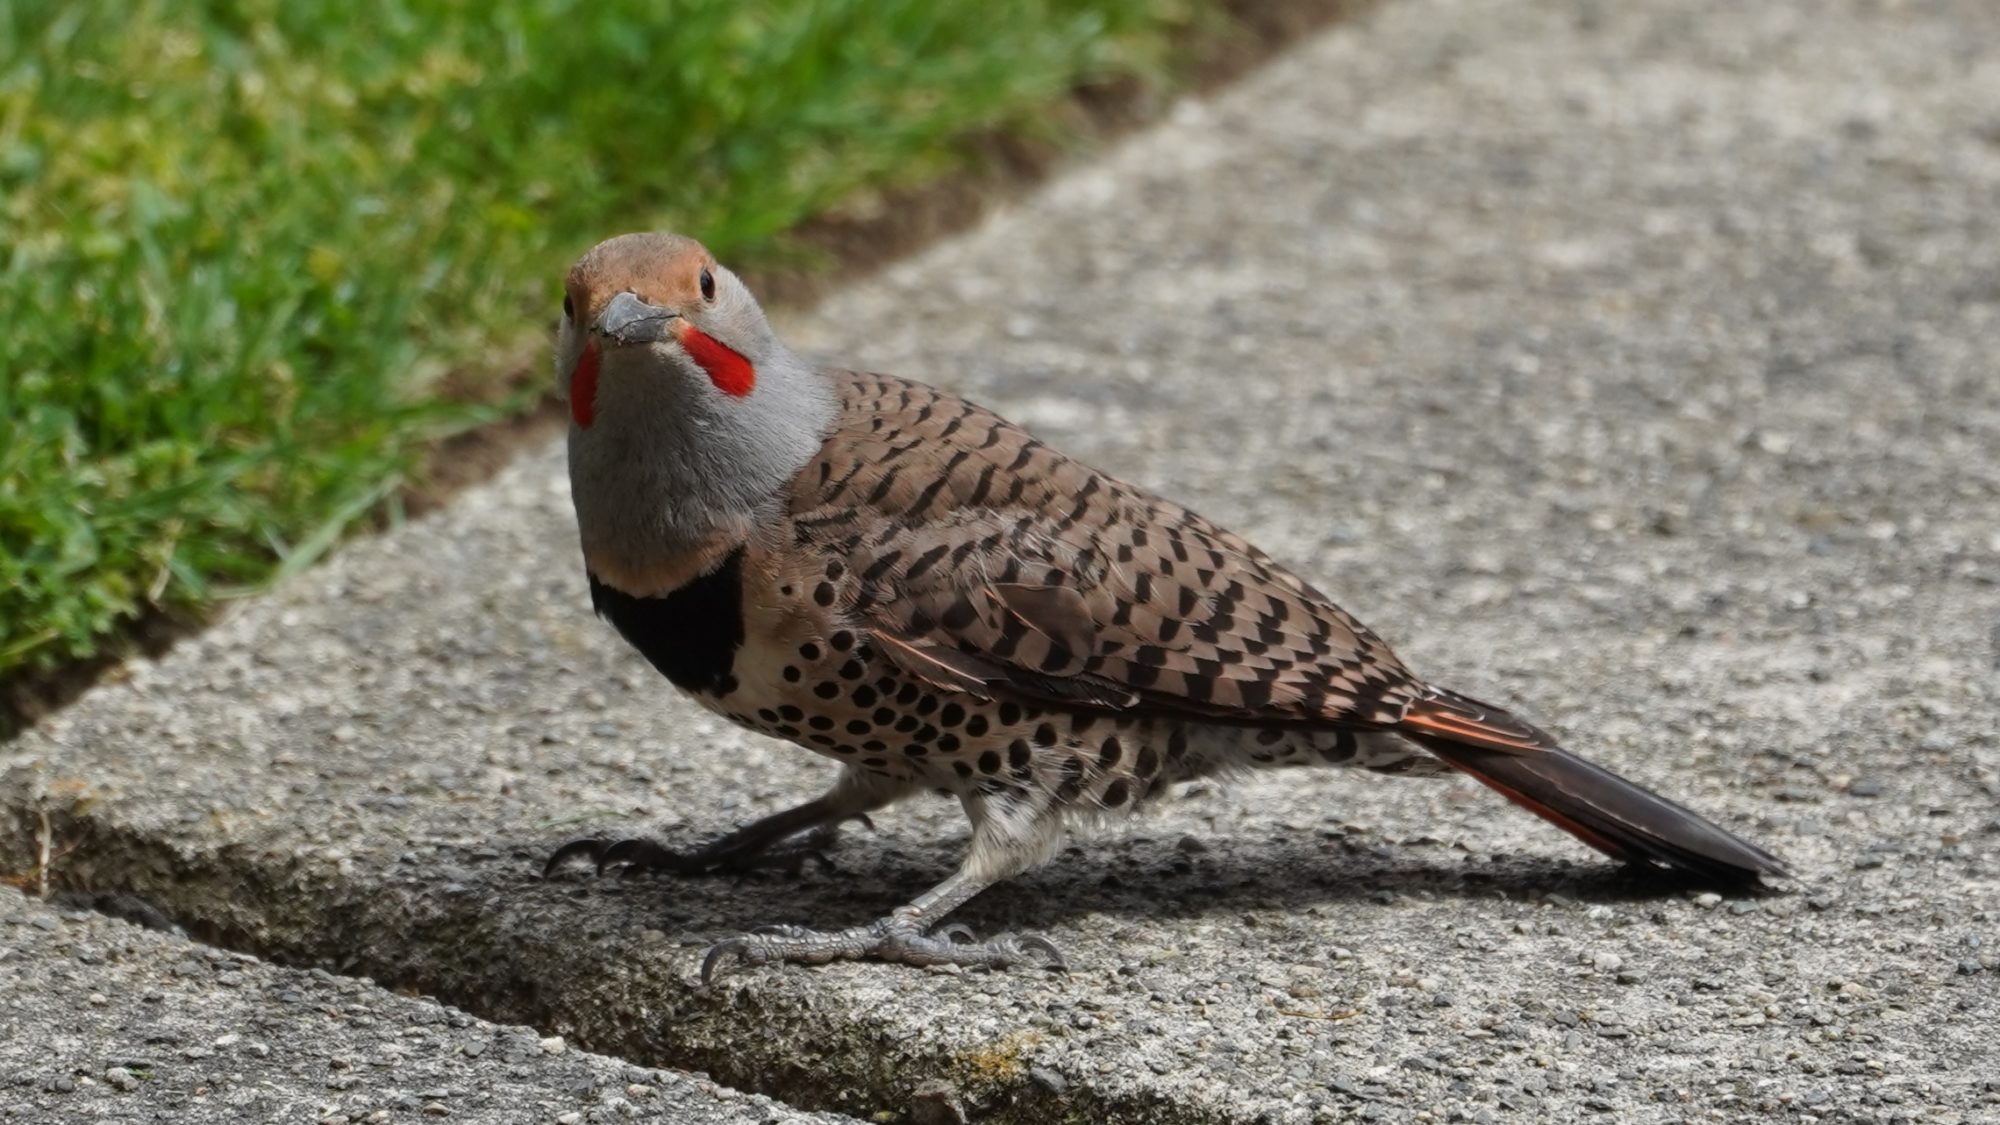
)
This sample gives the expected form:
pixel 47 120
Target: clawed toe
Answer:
pixel 632 856
pixel 1046 948
pixel 812 846
pixel 722 951
pixel 628 856
pixel 636 855
pixel 592 846
pixel 1012 949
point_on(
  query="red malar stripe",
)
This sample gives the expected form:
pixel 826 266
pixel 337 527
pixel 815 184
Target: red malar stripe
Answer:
pixel 726 367
pixel 583 386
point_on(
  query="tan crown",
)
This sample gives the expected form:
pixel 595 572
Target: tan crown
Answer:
pixel 660 269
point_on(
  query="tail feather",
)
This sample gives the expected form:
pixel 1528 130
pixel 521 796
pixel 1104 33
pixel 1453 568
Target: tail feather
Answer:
pixel 1611 814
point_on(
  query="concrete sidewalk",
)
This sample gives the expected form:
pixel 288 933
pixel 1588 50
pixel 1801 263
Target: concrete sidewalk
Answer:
pixel 1631 363
pixel 103 1021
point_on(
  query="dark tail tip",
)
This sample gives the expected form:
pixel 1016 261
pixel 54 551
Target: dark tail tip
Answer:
pixel 1617 817
pixel 1614 815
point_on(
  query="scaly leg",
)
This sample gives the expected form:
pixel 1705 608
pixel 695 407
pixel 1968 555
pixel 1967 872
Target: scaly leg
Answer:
pixel 1005 843
pixel 754 845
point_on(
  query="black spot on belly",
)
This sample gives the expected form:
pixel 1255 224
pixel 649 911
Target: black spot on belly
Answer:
pixel 691 635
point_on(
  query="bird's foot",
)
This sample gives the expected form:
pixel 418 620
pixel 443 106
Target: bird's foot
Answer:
pixel 728 855
pixel 893 938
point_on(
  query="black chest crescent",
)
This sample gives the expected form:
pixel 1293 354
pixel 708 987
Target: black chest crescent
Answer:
pixel 691 635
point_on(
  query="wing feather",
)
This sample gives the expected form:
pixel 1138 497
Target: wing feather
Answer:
pixel 994 563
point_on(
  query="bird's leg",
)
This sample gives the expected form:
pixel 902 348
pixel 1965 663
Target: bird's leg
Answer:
pixel 783 839
pixel 1001 847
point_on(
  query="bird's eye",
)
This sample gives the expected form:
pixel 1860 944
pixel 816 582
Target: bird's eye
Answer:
pixel 707 286
pixel 569 310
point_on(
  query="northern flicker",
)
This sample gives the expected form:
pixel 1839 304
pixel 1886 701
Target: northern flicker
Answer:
pixel 913 587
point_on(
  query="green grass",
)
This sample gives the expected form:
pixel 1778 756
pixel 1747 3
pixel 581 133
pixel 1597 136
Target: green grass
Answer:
pixel 241 242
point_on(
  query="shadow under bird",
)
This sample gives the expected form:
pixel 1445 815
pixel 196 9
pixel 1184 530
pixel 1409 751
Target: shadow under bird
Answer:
pixel 916 588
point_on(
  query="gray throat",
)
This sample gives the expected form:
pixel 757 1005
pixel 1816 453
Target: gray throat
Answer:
pixel 670 466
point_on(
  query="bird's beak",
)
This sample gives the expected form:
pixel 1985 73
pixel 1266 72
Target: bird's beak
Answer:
pixel 628 320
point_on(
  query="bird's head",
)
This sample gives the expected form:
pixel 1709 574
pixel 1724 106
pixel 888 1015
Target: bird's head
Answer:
pixel 687 413
pixel 655 318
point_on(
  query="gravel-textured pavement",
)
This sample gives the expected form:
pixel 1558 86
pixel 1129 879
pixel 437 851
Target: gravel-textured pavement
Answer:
pixel 1633 364
pixel 103 1021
